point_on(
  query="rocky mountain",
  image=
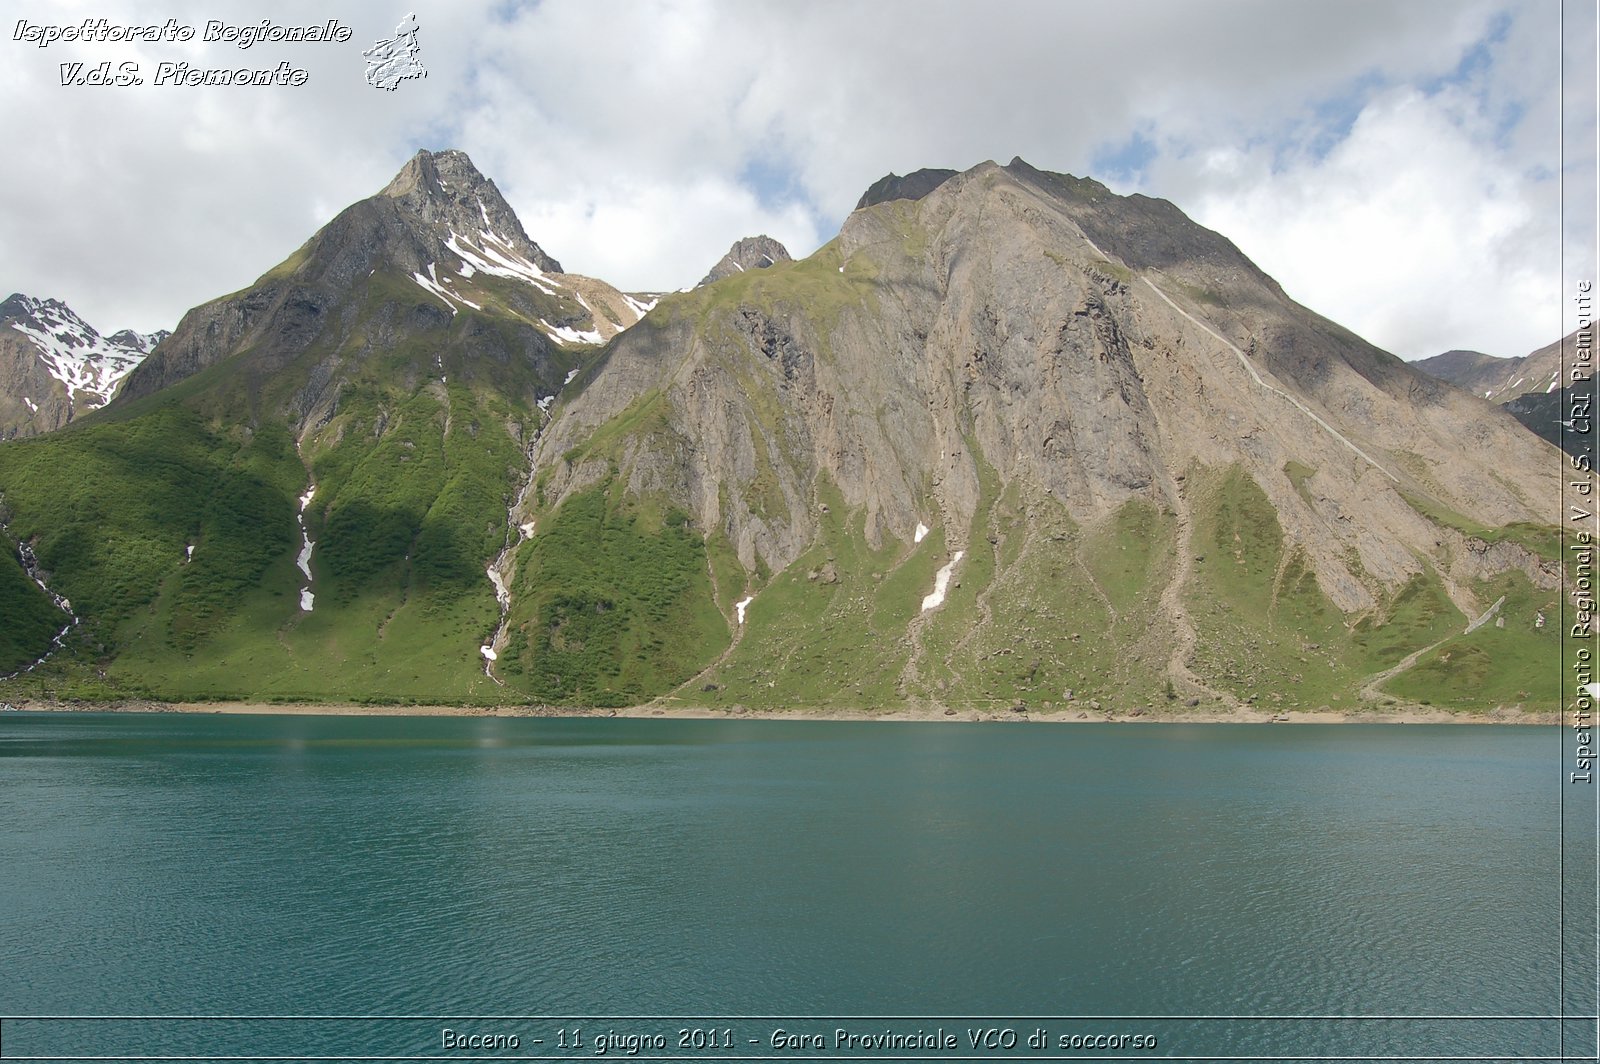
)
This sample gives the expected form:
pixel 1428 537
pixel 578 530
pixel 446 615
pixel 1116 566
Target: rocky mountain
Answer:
pixel 138 341
pixel 439 227
pixel 1008 442
pixel 303 488
pixel 1531 388
pixel 1466 369
pixel 1499 380
pixel 751 253
pixel 1021 437
pixel 54 366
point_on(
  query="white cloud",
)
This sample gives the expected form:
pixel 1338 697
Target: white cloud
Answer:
pixel 1406 232
pixel 637 140
pixel 634 236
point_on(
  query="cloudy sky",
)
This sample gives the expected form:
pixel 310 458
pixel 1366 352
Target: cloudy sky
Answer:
pixel 1396 166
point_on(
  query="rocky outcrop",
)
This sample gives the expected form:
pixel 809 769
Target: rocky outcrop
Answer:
pixel 913 186
pixel 443 193
pixel 751 253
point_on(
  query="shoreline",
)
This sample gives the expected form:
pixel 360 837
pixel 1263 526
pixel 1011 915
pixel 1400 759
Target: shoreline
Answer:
pixel 911 714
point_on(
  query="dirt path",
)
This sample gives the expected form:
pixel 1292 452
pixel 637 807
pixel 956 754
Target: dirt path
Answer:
pixel 1244 361
pixel 1370 686
pixel 1185 638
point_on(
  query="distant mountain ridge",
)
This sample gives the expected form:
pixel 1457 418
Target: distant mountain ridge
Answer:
pixel 1531 388
pixel 1498 379
pixel 139 341
pixel 54 366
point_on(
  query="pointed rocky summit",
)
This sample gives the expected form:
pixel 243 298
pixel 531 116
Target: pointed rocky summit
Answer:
pixel 751 253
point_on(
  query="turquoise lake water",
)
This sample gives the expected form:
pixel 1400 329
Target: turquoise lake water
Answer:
pixel 644 877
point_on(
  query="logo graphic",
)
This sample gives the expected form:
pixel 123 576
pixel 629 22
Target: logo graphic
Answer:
pixel 395 60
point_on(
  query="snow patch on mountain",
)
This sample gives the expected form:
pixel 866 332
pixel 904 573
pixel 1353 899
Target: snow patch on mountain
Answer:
pixel 941 583
pixel 639 307
pixel 479 257
pixel 571 335
pixel 30 565
pixel 88 365
pixel 303 560
pixel 434 287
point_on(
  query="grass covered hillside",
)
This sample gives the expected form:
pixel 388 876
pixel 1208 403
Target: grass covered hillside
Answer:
pixel 375 396
pixel 172 521
pixel 172 526
pixel 31 617
pixel 612 604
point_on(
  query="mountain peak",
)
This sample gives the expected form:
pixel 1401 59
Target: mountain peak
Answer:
pixel 749 253
pixel 431 172
pixel 913 186
pixel 18 305
pixel 54 365
pixel 444 188
pixel 437 240
pixel 138 341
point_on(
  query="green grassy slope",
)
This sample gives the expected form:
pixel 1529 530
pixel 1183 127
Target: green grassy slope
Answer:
pixel 112 507
pixel 1268 632
pixel 829 630
pixel 404 521
pixel 612 604
pixel 414 470
pixel 31 618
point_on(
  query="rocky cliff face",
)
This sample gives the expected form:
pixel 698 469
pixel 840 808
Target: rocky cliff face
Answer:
pixel 751 253
pixel 1027 341
pixel 54 366
pixel 913 186
pixel 1092 346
